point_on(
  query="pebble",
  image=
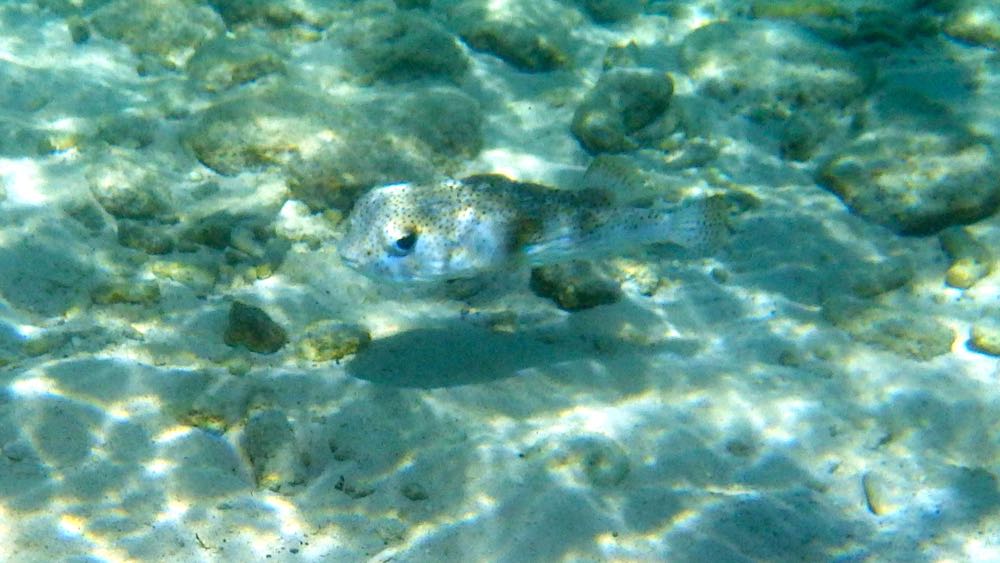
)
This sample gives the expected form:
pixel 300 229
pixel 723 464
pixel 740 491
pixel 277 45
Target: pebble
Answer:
pixel 79 31
pixel 574 286
pixel 126 291
pixel 251 327
pixel 876 494
pixel 151 240
pixel 269 444
pixel 331 341
pixel 985 337
pixel 129 189
pixel 198 275
pixel 971 260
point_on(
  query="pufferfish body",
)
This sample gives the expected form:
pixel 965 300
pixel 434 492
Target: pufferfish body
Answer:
pixel 487 223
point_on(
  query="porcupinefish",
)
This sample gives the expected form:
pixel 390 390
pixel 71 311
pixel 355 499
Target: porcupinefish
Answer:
pixel 487 223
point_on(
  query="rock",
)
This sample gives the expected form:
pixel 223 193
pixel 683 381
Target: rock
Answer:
pixel 332 341
pixel 405 135
pixel 128 189
pixel 877 494
pixel 269 126
pixel 127 131
pixel 251 327
pixel 296 222
pixel 524 49
pixel 224 229
pixel 447 122
pixel 79 31
pixel 58 141
pixel 621 103
pixel 89 215
pixel 985 336
pixel 800 135
pixel 621 55
pixel 206 420
pixel 522 35
pixel 71 7
pixel 331 151
pixel 353 490
pixel 741 64
pixel 167 30
pixel 918 337
pixel 197 273
pixel 336 175
pixel 861 23
pixel 126 291
pixel 881 276
pixel 574 286
pixel 914 171
pixel 151 240
pixel 274 13
pixel 225 62
pixel 17 451
pixel 407 46
pixel 45 342
pixel 975 21
pixel 611 11
pixel 971 261
pixel 269 444
pixel 414 491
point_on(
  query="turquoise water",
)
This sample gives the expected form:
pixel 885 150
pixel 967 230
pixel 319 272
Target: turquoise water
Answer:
pixel 190 372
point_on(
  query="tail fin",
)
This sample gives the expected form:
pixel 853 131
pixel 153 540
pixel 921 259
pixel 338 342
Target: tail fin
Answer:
pixel 701 226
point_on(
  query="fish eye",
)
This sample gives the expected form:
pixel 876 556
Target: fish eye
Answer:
pixel 403 245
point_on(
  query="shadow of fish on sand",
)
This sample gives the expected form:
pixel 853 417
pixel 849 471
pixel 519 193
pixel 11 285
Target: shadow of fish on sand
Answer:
pixel 461 354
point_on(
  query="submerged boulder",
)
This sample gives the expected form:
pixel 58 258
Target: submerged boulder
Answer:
pixel 914 169
pixel 771 68
pixel 623 102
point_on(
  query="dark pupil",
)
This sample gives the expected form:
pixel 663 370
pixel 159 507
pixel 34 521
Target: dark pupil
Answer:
pixel 406 243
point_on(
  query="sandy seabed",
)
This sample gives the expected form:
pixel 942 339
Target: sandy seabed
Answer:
pixel 787 398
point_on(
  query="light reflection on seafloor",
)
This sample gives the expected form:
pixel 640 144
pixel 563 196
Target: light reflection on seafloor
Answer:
pixel 821 388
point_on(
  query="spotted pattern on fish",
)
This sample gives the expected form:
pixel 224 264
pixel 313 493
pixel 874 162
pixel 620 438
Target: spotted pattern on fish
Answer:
pixel 485 223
